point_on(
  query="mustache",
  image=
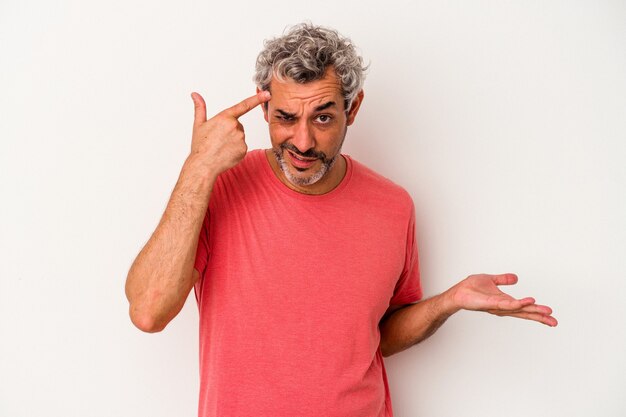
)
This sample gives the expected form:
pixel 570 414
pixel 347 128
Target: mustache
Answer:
pixel 311 153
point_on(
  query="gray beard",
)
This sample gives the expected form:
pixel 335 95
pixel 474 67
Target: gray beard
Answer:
pixel 327 164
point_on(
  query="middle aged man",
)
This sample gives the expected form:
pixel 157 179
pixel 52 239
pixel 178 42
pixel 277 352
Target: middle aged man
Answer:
pixel 304 261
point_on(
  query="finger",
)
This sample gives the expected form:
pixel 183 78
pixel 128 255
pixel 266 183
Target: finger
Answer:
pixel 248 104
pixel 527 301
pixel 505 279
pixel 510 305
pixel 199 109
pixel 541 318
pixel 533 308
pixel 536 308
pixel 513 304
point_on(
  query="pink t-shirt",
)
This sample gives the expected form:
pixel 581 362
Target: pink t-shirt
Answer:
pixel 292 291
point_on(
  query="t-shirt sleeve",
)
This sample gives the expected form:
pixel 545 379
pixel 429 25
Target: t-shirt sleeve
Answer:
pixel 202 253
pixel 409 288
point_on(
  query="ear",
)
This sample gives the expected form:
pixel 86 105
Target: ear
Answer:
pixel 264 106
pixel 354 109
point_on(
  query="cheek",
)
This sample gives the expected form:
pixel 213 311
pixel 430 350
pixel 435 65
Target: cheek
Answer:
pixel 331 138
pixel 279 132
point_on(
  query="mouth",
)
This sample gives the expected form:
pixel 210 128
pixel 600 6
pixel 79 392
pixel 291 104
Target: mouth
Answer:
pixel 299 161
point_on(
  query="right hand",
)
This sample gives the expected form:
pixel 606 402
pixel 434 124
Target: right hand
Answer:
pixel 220 141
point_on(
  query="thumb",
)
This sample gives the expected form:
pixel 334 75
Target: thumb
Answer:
pixel 199 108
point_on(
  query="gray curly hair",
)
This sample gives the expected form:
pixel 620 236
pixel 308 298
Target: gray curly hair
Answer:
pixel 304 53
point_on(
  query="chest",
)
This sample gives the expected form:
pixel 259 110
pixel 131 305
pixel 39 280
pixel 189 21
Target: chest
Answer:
pixel 341 260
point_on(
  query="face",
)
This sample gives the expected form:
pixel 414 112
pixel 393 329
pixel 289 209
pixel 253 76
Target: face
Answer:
pixel 307 125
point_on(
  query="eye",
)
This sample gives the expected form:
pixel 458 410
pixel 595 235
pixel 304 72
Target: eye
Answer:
pixel 283 118
pixel 323 119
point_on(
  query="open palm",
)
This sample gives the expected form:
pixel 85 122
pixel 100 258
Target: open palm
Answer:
pixel 481 293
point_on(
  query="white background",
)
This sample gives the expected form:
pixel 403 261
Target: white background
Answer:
pixel 505 120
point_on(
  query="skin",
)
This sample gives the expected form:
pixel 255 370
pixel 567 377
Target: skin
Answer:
pixel 309 119
pixel 162 275
pixel 405 326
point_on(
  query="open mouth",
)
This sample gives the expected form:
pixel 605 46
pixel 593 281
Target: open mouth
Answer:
pixel 300 162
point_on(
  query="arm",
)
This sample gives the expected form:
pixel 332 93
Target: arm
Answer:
pixel 162 275
pixel 414 323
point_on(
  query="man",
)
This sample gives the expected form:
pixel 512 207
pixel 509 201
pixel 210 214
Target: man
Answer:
pixel 304 261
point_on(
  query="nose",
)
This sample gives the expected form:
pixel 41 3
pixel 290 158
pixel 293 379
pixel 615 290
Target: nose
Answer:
pixel 303 138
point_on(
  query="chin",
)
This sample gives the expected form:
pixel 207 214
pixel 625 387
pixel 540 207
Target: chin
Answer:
pixel 302 178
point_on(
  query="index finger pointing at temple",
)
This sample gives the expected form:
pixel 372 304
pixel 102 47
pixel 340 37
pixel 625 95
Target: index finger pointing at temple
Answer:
pixel 248 104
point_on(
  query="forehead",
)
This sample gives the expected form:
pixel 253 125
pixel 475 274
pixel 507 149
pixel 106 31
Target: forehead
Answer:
pixel 313 93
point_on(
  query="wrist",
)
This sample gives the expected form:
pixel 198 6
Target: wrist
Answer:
pixel 195 165
pixel 449 305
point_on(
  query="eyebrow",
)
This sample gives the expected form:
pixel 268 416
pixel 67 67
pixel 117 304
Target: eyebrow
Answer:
pixel 318 108
pixel 325 106
pixel 286 115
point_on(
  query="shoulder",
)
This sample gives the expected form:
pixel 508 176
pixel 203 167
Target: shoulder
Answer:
pixel 241 180
pixel 378 186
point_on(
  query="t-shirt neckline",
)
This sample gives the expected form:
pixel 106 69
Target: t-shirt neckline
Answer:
pixel 277 183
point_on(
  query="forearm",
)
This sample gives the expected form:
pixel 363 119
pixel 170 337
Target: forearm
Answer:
pixel 410 325
pixel 161 276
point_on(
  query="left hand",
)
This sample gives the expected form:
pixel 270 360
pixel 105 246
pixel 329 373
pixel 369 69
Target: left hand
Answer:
pixel 481 293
